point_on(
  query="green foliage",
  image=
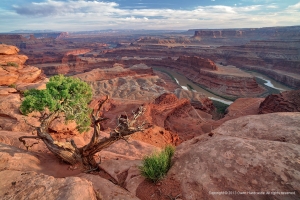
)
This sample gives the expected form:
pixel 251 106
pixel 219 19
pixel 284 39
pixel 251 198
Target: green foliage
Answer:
pixel 12 85
pixel 62 94
pixel 156 166
pixel 221 107
pixel 12 64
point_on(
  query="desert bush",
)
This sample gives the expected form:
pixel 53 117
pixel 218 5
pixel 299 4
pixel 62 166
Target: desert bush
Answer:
pixel 12 64
pixel 156 166
pixel 12 85
pixel 62 94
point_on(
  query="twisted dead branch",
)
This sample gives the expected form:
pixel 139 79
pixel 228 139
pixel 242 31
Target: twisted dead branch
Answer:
pixel 84 156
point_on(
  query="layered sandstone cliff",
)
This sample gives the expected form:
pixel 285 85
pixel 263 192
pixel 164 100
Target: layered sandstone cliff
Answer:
pixel 229 82
pixel 288 101
pixel 197 63
pixel 250 33
pixel 12 68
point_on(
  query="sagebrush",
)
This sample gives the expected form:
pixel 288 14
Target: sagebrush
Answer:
pixel 12 64
pixel 156 166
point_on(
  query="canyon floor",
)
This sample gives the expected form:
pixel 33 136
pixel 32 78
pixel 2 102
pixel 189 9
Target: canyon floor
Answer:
pixel 251 151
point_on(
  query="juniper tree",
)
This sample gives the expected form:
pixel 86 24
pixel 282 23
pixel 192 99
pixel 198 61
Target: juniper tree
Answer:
pixel 69 97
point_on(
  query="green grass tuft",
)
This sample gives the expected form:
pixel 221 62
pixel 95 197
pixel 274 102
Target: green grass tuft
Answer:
pixel 13 85
pixel 156 166
pixel 12 64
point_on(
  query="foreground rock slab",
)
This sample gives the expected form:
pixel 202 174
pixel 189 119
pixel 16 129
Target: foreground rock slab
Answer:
pixel 31 185
pixel 244 155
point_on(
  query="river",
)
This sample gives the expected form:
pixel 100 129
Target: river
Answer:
pixel 270 82
pixel 184 82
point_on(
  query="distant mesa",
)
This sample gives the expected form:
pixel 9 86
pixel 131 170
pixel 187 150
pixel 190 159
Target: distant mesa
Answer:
pixel 32 31
pixel 25 40
pixel 250 33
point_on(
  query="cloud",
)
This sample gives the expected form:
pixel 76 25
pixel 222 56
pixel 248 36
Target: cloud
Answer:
pixel 294 7
pixel 53 7
pixel 92 15
pixel 62 8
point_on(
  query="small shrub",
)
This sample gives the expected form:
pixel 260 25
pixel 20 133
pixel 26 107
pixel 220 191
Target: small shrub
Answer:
pixel 12 64
pixel 12 85
pixel 156 166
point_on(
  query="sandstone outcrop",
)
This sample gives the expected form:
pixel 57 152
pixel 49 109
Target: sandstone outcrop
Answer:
pixel 71 56
pixel 287 78
pixel 19 171
pixel 164 41
pixel 245 155
pixel 31 185
pixel 229 82
pixel 197 63
pixel 174 114
pixel 277 59
pixel 12 69
pixel 8 50
pixel 288 101
pixel 239 108
pixel 125 172
pixel 253 33
pixel 136 83
pixel 106 189
pixel 10 117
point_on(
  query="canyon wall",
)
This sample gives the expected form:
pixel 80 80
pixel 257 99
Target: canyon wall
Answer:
pixel 288 101
pixel 199 70
pixel 250 33
pixel 291 80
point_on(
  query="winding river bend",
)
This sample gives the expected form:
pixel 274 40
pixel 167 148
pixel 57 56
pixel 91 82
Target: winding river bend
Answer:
pixel 184 82
pixel 270 82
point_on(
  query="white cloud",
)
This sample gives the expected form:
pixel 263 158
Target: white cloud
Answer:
pixel 91 15
pixel 294 7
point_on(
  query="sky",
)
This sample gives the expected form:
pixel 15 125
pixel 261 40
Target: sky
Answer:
pixel 87 15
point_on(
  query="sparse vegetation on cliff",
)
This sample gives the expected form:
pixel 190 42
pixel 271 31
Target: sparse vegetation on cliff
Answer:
pixel 63 94
pixel 221 108
pixel 68 97
pixel 156 166
pixel 12 64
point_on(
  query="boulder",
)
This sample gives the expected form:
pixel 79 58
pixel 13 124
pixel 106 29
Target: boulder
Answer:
pixel 32 185
pixel 8 50
pixel 12 158
pixel 59 125
pixel 7 90
pixel 18 59
pixel 288 101
pixel 127 150
pixel 282 127
pixel 28 74
pixel 7 78
pixel 40 85
pixel 125 172
pixel 10 117
pixel 105 189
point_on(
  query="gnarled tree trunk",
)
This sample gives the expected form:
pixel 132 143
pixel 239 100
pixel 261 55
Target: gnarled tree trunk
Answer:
pixel 70 153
